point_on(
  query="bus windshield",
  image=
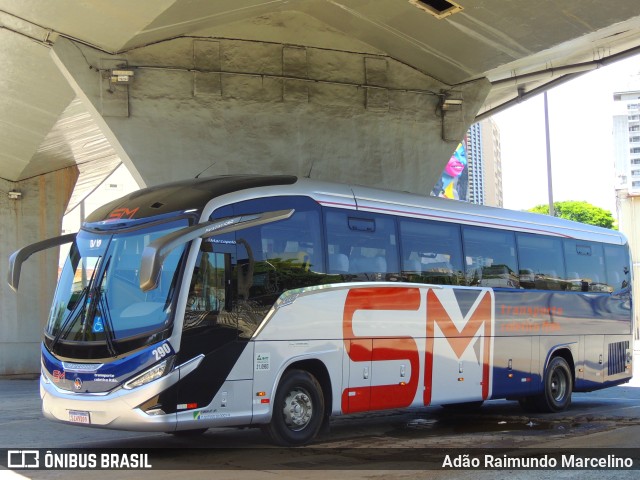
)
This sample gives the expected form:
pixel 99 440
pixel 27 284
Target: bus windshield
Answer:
pixel 98 298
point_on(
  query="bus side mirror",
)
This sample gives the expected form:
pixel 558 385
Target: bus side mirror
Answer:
pixel 18 257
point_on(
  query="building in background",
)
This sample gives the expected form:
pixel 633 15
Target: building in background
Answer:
pixel 626 155
pixel 626 141
pixel 492 160
pixel 480 180
pixel 475 183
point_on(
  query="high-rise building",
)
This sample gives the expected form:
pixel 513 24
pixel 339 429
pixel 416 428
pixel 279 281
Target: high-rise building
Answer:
pixel 626 140
pixel 626 144
pixel 475 164
pixel 492 163
pixel 480 180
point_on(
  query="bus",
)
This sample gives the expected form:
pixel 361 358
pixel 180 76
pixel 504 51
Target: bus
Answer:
pixel 279 302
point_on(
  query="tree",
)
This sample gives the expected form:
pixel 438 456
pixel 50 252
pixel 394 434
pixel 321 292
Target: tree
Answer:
pixel 582 212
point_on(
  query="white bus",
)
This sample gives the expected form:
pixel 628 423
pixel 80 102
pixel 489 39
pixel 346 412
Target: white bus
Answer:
pixel 279 302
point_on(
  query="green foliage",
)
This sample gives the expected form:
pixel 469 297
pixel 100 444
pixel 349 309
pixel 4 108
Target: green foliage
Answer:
pixel 582 212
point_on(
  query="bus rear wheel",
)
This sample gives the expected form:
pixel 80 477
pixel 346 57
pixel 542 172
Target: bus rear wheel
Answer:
pixel 297 410
pixel 558 385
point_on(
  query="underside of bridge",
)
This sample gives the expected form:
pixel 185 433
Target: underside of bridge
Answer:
pixel 376 92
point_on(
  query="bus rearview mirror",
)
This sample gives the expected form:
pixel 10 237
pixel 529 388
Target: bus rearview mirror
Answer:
pixel 18 257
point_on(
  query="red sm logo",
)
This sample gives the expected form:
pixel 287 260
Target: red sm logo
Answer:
pixel 449 341
pixel 119 213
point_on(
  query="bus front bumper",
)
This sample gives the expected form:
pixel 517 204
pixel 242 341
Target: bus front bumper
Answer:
pixel 118 409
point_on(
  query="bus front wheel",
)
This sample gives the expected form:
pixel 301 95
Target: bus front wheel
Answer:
pixel 297 410
pixel 558 385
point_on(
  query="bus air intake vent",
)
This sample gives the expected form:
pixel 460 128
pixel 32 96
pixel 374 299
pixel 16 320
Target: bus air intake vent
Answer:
pixel 617 357
pixel 438 8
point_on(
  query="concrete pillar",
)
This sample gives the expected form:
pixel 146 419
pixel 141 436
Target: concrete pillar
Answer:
pixel 35 216
pixel 264 107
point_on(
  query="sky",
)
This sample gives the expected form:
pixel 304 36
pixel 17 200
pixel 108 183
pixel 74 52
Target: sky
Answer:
pixel 581 140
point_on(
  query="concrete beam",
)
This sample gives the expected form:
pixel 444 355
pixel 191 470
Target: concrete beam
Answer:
pixel 262 107
pixel 34 94
pixel 35 216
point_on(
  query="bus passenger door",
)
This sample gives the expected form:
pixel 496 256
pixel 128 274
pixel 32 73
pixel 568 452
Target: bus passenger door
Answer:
pixel 357 396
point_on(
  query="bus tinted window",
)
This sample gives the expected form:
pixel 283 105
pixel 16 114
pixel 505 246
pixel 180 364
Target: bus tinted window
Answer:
pixel 541 262
pixel 585 266
pixel 431 252
pixel 617 266
pixel 295 242
pixel 361 246
pixel 273 258
pixel 490 258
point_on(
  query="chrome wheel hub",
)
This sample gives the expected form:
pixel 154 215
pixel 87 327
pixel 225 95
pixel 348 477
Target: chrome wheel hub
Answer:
pixel 298 409
pixel 558 386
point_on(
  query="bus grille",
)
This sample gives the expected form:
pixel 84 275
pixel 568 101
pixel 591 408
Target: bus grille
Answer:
pixel 617 357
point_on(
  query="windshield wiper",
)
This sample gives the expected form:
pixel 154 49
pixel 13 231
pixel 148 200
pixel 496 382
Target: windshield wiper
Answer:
pixel 108 325
pixel 99 304
pixel 90 306
pixel 81 304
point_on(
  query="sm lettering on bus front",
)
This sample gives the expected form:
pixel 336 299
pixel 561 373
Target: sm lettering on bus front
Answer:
pixel 120 213
pixel 451 338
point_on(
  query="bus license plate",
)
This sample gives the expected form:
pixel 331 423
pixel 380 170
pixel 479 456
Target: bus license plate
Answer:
pixel 79 417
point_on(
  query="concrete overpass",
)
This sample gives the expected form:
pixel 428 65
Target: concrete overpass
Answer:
pixel 377 92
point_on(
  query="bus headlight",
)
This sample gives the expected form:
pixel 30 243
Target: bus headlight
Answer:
pixel 150 375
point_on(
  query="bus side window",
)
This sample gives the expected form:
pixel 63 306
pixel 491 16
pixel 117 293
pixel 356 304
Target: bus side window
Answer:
pixel 209 283
pixel 585 264
pixel 431 252
pixel 278 256
pixel 364 244
pixel 490 257
pixel 541 262
pixel 617 266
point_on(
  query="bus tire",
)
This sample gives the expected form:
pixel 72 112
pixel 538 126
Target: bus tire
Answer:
pixel 298 409
pixel 558 385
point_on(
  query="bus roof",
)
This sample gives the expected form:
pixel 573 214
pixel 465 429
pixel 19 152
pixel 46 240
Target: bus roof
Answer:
pixel 206 194
pixel 182 196
pixel 462 212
